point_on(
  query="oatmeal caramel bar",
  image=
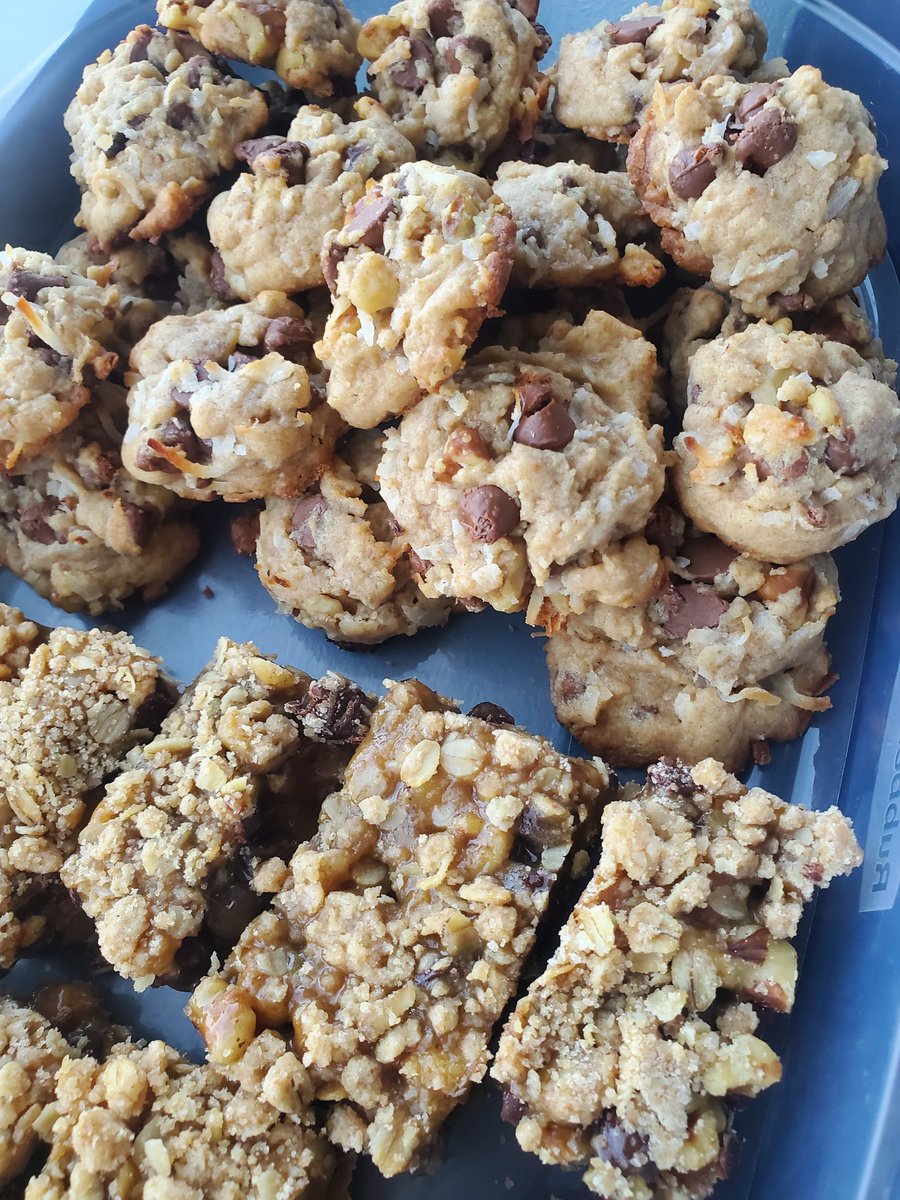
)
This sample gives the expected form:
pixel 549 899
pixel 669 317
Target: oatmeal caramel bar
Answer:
pixel 627 1055
pixel 31 1054
pixel 83 700
pixel 18 638
pixel 145 1122
pixel 401 928
pixel 162 845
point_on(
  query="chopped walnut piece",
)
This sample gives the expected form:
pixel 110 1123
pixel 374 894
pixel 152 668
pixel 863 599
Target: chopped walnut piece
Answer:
pixel 626 1055
pixel 401 932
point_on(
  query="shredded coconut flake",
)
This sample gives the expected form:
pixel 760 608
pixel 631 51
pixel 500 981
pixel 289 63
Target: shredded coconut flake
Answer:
pixel 820 158
pixel 692 230
pixel 841 195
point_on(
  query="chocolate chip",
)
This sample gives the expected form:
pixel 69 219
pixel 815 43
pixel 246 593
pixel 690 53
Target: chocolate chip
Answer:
pixel 178 114
pixel 96 467
pixel 418 566
pixel 406 75
pixel 634 32
pixel 793 303
pixel 141 522
pixel 752 948
pixel 550 428
pixel 240 358
pixel 28 283
pixel 217 280
pixel 195 70
pixel 528 8
pixel 138 121
pixel 707 557
pixel 691 606
pixel 366 225
pixel 304 511
pixel 334 710
pixel 672 777
pixel 766 139
pixel 534 395
pixel 440 14
pixel 762 755
pixel 795 468
pixel 693 169
pixel 147 459
pixel 141 44
pixel 530 232
pixel 476 45
pixel 250 150
pixel 332 257
pixel 754 100
pixel 426 978
pixel 488 513
pixel 839 454
pixel 665 529
pixel 492 713
pixel 293 158
pixel 178 434
pixel 273 19
pixel 52 358
pixel 200 371
pixel 181 399
pixel 116 146
pixel 245 532
pixel 289 336
pixel 354 153
pixel 624 1149
pixel 512 1109
pixel 33 521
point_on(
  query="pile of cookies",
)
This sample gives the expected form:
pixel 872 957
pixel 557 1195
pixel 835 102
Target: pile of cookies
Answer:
pixel 430 337
pixel 352 887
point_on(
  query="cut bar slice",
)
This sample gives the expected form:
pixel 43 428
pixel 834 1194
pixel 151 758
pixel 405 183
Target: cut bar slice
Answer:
pixel 147 1123
pixel 401 929
pixel 159 850
pixel 626 1054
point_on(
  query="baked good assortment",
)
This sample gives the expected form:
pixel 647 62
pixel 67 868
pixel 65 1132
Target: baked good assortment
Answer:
pixel 578 344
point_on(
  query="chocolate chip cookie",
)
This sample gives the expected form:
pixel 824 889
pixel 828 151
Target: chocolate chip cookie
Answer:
pixel 80 529
pixel 769 189
pixel 576 227
pixel 153 123
pixel 457 75
pixel 269 228
pixel 517 467
pixel 337 561
pixel 224 407
pixel 606 76
pixel 56 332
pixel 791 445
pixel 311 44
pixel 420 262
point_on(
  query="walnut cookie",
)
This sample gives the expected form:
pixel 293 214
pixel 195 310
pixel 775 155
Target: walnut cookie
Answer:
pixel 223 405
pixel 523 463
pixel 153 124
pixel 606 75
pixel 419 264
pixel 268 229
pixel 311 44
pixel 768 189
pixel 791 445
pixel 626 1055
pixel 458 76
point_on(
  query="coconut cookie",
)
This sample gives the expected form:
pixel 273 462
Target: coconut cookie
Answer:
pixel 768 189
pixel 56 328
pixel 225 407
pixel 576 226
pixel 269 228
pixel 627 1054
pixel 791 446
pixel 605 77
pixel 152 125
pixel 335 560
pixel 457 75
pixel 419 264
pixel 80 529
pixel 514 469
pixel 698 315
pixel 311 44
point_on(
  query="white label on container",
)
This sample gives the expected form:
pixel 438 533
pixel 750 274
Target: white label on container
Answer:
pixel 881 868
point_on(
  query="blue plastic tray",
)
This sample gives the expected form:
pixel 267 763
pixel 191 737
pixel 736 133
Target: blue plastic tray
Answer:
pixel 831 1129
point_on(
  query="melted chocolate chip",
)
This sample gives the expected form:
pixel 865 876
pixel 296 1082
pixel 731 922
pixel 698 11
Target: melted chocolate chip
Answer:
pixel 512 1109
pixel 217 280
pixel 240 358
pixel 793 303
pixel 691 606
pixel 195 70
pixel 334 710
pixel 440 14
pixel 408 75
pixel 332 258
pixel 250 151
pixel 354 153
pixel 624 1149
pixel 28 283
pixel 839 454
pixel 529 232
pixel 534 395
pixel 476 45
pixel 550 428
pixel 178 434
pixel 33 521
pixel 754 100
pixel 488 513
pixel 178 114
pixel 707 557
pixel 665 529
pixel 528 8
pixel 96 467
pixel 147 459
pixel 693 169
pixel 304 511
pixel 633 32
pixel 492 713
pixel 293 158
pixel 366 226
pixel 181 399
pixel 245 532
pixel 140 46
pixel 671 777
pixel 141 522
pixel 116 146
pixel 766 139
pixel 288 336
